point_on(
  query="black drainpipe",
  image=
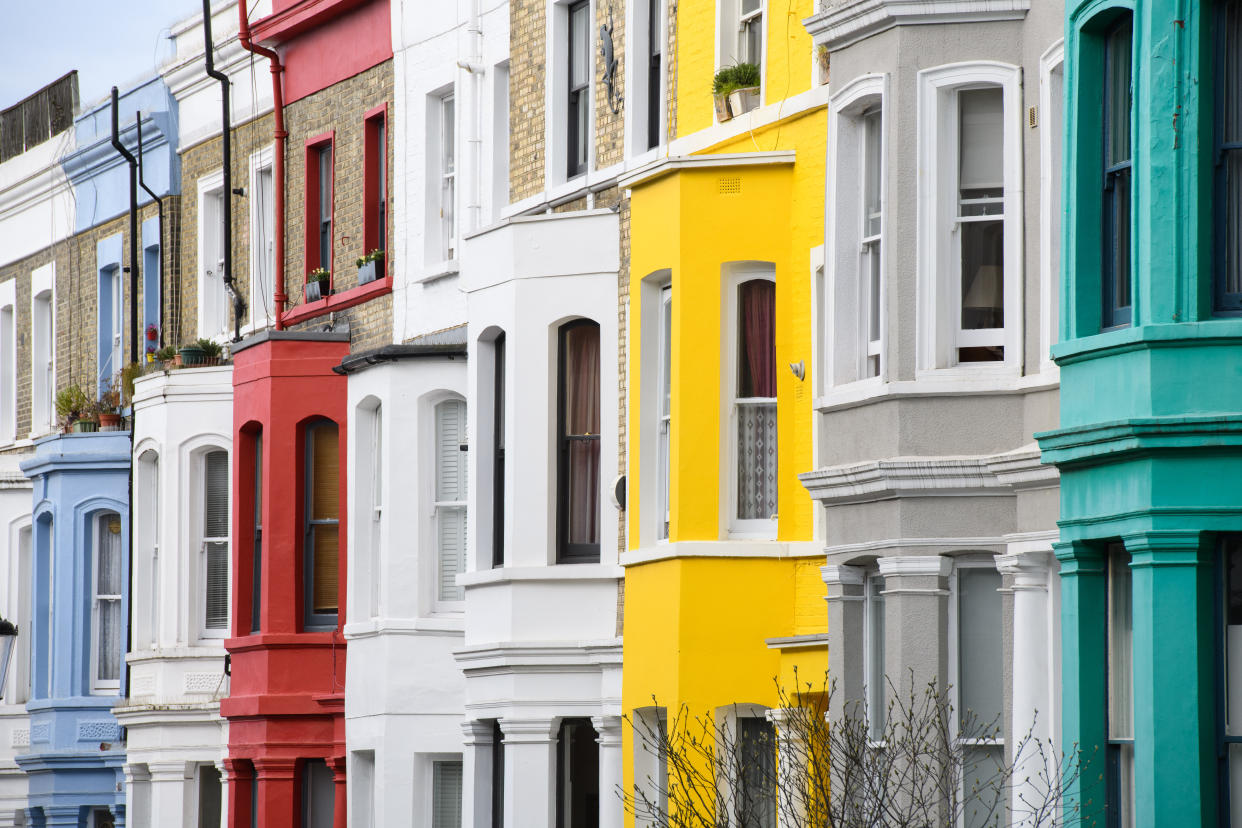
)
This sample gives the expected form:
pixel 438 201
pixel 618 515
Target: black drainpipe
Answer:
pixel 133 233
pixel 160 202
pixel 239 304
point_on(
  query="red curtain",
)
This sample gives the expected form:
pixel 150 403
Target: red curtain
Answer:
pixel 758 339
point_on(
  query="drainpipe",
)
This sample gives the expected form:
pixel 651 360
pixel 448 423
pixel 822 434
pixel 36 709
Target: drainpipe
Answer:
pixel 133 231
pixel 278 163
pixel 474 140
pixel 239 304
pixel 160 203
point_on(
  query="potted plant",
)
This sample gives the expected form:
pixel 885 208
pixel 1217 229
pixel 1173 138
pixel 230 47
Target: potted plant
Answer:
pixel 722 85
pixel 369 266
pixel 109 407
pixel 168 355
pixel 74 407
pixel 211 351
pixel 191 354
pixel 317 284
pixel 745 93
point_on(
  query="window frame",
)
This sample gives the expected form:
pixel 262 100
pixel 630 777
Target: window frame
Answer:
pixel 262 163
pixel 1225 544
pixel 203 540
pixel 737 274
pixel 1112 315
pixel 376 175
pixel 875 684
pixel 100 686
pixel 578 97
pixel 938 249
pixel 1224 303
pixel 213 298
pixel 43 339
pixel 847 347
pixel 1051 121
pixel 567 552
pixel 320 153
pixel 311 620
pixel 439 507
pixel 254 499
pixel 8 361
pixel 664 415
pixel 499 421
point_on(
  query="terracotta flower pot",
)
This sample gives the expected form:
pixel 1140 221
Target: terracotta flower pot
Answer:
pixel 109 420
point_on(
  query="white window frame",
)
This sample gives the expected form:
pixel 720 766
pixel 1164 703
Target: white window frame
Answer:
pixel 736 273
pixel 1051 116
pixel 968 561
pixel 8 362
pixel 198 511
pixel 654 426
pixel 441 604
pixel 262 163
pixel 664 417
pixel 98 685
pixel 21 562
pixel 637 76
pixel 939 262
pixel 147 494
pixel 43 339
pixel 556 99
pixel 212 300
pixel 846 294
pixel 432 763
pixel 650 758
pixel 447 184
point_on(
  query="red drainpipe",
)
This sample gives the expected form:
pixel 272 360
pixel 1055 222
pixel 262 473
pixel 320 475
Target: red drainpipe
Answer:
pixel 278 173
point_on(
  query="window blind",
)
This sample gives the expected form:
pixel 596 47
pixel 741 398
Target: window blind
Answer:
pixel 446 781
pixel 982 139
pixel 324 515
pixel 451 487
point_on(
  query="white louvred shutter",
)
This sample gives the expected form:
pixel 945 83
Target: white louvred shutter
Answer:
pixel 215 539
pixel 450 496
pixel 446 786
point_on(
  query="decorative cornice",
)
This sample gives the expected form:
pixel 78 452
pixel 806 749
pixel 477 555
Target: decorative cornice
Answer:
pixel 99 156
pixel 841 23
pixel 1107 442
pixel 843 575
pixel 886 479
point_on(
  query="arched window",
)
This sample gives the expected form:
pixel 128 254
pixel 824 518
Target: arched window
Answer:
pixel 578 443
pixel 321 553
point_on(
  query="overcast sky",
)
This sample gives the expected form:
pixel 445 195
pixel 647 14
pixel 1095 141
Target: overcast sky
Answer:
pixel 110 43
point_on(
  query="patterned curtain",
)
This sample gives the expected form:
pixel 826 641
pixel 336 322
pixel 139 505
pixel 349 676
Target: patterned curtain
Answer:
pixel 756 422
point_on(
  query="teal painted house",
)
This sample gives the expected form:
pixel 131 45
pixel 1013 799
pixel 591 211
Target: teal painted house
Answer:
pixel 1150 441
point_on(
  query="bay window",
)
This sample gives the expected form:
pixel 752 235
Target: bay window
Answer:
pixel 754 407
pixel 578 484
pixel 215 542
pixel 450 498
pixel 1118 106
pixel 107 639
pixel 321 553
pixel 1229 157
pixel 1120 713
pixel 579 79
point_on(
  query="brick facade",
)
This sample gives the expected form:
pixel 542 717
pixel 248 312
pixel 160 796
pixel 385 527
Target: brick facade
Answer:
pixel 338 109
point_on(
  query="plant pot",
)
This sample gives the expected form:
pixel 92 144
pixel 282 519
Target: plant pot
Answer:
pixel 744 100
pixel 85 426
pixel 191 355
pixel 109 420
pixel 368 273
pixel 722 108
pixel 210 360
pixel 176 360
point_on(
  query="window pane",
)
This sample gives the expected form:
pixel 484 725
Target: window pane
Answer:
pixel 318 794
pixel 756 748
pixel 1235 783
pixel 980 662
pixel 982 140
pixel 756 461
pixel 209 791
pixel 1233 220
pixel 983 784
pixel 446 795
pixel 581 379
pixel 1118 70
pixel 983 275
pixel 1119 218
pixel 1120 638
pixel 216 494
pixel 217 586
pixel 749 6
pixel 756 357
pixel 327 558
pixel 108 580
pixel 872 148
pixel 109 658
pixel 877 684
pixel 583 469
pixel 1229 59
pixel 325 473
pixel 579 22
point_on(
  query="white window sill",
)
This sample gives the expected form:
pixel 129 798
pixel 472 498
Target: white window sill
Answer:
pixel 940 382
pixel 436 272
pixel 438 624
pixel 552 572
pixel 752 548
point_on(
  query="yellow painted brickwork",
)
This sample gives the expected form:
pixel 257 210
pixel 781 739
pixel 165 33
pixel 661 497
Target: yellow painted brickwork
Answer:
pixel 338 109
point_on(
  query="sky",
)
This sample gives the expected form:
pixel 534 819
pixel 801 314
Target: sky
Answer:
pixel 110 43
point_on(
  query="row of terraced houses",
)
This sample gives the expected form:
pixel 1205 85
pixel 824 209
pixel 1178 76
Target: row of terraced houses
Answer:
pixel 558 397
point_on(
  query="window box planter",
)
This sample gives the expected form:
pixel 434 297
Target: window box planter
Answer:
pixel 368 273
pixel 317 290
pixel 744 100
pixel 722 108
pixel 192 355
pixel 85 426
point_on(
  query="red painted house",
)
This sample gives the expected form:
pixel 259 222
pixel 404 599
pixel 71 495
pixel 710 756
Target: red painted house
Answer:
pixel 331 66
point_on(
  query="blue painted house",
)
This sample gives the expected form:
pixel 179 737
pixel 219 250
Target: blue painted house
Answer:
pixel 79 625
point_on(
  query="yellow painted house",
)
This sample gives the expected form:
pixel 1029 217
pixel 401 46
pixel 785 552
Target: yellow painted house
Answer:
pixel 723 590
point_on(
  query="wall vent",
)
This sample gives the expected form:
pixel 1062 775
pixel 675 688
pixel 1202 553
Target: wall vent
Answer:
pixel 729 186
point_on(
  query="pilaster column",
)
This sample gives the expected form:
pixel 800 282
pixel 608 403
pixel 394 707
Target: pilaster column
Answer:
pixel 277 793
pixel 136 776
pixel 530 771
pixel 222 767
pixel 1174 678
pixel 476 779
pixel 240 777
pixel 608 736
pixel 340 812
pixel 62 816
pixel 916 622
pixel 1084 669
pixel 1032 669
pixel 846 620
pixel 168 788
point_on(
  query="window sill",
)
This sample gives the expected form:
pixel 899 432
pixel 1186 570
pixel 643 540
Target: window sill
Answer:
pixel 552 572
pixel 937 383
pixel 337 301
pixel 436 272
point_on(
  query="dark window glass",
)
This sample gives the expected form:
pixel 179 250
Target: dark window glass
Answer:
pixel 577 775
pixel 1118 103
pixel 256 567
pixel 216 538
pixel 578 481
pixel 655 50
pixel 579 77
pixel 498 775
pixel 208 797
pixel 325 206
pixel 1229 158
pixel 755 405
pixel 381 140
pixel 498 454
pixel 322 504
pixel 318 794
pixel 756 749
pixel 1119 777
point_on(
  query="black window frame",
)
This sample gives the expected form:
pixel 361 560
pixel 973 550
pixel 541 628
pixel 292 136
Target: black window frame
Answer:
pixel 315 621
pixel 566 552
pixel 1114 314
pixel 1224 303
pixel 498 451
pixel 578 98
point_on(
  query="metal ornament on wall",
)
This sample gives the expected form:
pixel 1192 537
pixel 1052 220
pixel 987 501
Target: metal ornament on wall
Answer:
pixel 609 55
